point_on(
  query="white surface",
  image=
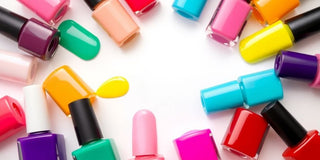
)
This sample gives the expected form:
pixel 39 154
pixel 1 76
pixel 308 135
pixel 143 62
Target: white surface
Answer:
pixel 166 66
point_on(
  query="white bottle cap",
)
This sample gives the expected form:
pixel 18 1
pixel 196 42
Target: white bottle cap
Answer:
pixel 36 109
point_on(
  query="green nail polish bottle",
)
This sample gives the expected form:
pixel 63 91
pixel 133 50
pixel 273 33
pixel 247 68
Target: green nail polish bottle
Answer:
pixel 89 134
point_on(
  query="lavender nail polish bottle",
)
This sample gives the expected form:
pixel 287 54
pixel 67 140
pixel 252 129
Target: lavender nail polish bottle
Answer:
pixel 33 36
pixel 40 144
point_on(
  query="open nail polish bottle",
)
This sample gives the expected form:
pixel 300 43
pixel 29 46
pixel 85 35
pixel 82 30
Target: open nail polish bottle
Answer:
pixel 41 143
pixel 33 36
pixel 144 137
pixel 302 145
pixel 278 36
pixel 249 90
pixel 49 10
pixel 294 65
pixel 114 19
pixel 89 135
pixel 19 68
pixel 245 134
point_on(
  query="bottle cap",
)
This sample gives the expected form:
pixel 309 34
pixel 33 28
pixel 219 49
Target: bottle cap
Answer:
pixel 296 65
pixel 11 23
pixel 304 24
pixel 84 121
pixel 287 127
pixel 93 3
pixel 36 109
pixel 144 134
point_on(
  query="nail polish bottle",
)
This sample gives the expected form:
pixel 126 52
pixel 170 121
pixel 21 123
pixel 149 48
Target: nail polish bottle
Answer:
pixel 262 44
pixel 197 144
pixel 65 86
pixel 41 143
pixel 190 9
pixel 114 19
pixel 248 91
pixel 33 36
pixel 270 11
pixel 140 7
pixel 12 118
pixel 89 135
pixel 294 65
pixel 19 68
pixel 246 134
pixel 228 21
pixel 144 137
pixel 301 144
pixel 49 10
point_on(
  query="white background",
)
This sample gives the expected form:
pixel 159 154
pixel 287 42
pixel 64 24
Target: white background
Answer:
pixel 166 65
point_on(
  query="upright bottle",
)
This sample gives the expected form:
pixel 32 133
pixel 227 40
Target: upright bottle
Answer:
pixel 278 36
pixel 33 36
pixel 302 145
pixel 114 19
pixel 89 135
pixel 41 143
pixel 144 137
pixel 49 10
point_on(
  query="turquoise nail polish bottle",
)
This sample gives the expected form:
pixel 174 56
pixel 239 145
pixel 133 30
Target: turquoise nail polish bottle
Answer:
pixel 89 134
pixel 190 9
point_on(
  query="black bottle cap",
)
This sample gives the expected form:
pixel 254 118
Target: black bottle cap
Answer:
pixel 84 121
pixel 92 3
pixel 305 24
pixel 11 23
pixel 287 127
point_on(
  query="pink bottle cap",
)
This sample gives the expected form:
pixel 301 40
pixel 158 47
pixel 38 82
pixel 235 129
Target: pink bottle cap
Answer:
pixel 197 145
pixel 12 117
pixel 144 134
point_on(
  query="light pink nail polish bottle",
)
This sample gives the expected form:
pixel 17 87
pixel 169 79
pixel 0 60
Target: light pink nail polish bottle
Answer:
pixel 17 67
pixel 144 137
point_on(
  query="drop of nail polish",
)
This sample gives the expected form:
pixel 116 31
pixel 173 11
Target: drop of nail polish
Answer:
pixel 113 87
pixel 78 40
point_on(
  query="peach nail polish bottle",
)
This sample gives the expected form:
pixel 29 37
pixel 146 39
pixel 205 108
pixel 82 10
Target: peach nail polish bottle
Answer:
pixel 114 19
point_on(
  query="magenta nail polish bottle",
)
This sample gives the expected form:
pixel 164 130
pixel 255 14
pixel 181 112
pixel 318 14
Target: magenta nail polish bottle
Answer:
pixel 33 36
pixel 40 144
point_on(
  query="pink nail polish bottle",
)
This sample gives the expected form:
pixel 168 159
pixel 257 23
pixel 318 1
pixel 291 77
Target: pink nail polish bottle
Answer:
pixel 18 67
pixel 228 21
pixel 49 10
pixel 197 145
pixel 144 137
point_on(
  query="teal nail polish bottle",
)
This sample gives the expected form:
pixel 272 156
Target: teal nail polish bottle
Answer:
pixel 89 134
pixel 190 9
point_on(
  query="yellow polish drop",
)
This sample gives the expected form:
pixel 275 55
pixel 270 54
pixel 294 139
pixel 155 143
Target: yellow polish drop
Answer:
pixel 113 87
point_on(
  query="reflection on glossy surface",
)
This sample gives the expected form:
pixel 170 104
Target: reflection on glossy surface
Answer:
pixel 65 86
pixel 78 40
pixel 113 87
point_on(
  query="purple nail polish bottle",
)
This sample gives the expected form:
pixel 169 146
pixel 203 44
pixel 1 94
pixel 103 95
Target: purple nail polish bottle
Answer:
pixel 40 144
pixel 294 65
pixel 33 36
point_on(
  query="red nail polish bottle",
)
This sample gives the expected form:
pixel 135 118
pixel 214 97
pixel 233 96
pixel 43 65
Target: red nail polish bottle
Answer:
pixel 302 145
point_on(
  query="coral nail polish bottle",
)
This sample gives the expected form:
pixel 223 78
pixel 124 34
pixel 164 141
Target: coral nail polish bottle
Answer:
pixel 89 135
pixel 19 68
pixel 41 143
pixel 144 137
pixel 262 44
pixel 33 36
pixel 65 86
pixel 301 144
pixel 139 7
pixel 197 144
pixel 49 10
pixel 190 9
pixel 114 19
pixel 249 90
pixel 12 118
pixel 246 134
pixel 294 65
